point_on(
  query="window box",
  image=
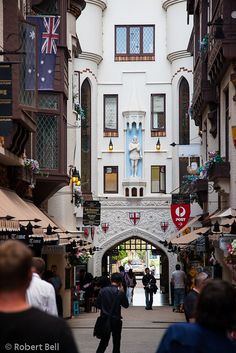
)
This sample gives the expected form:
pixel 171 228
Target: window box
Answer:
pixel 219 171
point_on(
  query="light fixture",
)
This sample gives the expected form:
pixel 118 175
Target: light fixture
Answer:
pixel 110 145
pixel 233 129
pixel 75 176
pixel 158 145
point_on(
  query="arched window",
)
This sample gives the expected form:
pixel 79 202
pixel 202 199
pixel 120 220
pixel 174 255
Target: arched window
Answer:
pixel 86 138
pixel 127 192
pixel 183 112
pixel 134 191
pixel 141 192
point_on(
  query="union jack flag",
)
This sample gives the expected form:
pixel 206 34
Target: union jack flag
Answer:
pixel 51 24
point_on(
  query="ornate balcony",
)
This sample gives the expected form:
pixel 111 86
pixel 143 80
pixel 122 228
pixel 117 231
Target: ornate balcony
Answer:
pixel 222 45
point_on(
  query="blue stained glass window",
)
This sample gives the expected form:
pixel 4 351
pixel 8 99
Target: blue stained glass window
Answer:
pixel 121 40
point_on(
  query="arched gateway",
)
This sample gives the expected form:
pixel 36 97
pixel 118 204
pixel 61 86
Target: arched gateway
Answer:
pixel 107 243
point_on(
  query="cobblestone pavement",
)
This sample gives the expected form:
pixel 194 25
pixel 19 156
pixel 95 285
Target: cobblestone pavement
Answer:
pixel 142 330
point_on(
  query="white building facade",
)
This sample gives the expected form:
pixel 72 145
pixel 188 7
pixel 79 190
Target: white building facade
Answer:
pixel 134 60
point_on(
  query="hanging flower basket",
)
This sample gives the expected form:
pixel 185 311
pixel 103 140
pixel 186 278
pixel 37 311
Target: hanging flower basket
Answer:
pixel 32 165
pixel 80 258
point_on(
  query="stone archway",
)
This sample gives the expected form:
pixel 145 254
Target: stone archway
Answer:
pixel 134 232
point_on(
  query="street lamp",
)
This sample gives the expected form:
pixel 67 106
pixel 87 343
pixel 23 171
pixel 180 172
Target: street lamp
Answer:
pixel 110 145
pixel 158 145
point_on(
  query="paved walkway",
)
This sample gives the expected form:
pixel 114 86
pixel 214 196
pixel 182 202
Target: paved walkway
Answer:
pixel 142 330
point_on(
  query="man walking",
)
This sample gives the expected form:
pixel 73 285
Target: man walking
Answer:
pixel 149 282
pixel 40 293
pixel 178 280
pixel 24 328
pixel 190 301
pixel 110 299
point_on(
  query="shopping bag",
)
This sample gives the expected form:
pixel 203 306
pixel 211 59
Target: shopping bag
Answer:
pixel 102 326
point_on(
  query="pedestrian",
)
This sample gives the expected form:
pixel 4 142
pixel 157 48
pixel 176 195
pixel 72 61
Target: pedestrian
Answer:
pixel 149 283
pixel 55 279
pixel 123 275
pixel 111 298
pixel 128 266
pixel 40 293
pixel 25 328
pixel 85 283
pixel 178 280
pixel 191 299
pixel 215 317
pixel 131 283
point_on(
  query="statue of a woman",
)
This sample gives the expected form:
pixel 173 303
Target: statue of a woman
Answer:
pixel 134 155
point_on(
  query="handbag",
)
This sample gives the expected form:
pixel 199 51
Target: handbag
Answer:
pixel 102 325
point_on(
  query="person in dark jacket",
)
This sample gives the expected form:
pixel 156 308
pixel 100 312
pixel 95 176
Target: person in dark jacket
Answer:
pixel 111 299
pixel 215 318
pixel 149 283
pixel 190 301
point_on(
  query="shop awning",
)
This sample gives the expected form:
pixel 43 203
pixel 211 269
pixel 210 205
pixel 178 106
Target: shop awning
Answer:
pixel 190 223
pixel 190 237
pixel 226 213
pixel 23 211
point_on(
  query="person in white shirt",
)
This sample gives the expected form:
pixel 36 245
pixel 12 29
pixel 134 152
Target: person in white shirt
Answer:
pixel 128 266
pixel 40 293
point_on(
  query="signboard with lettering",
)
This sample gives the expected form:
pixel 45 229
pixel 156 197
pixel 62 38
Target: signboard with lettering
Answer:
pixel 180 199
pixel 5 99
pixel 91 213
pixel 180 214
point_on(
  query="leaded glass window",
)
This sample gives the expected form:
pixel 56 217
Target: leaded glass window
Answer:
pixel 48 101
pixel 28 65
pixel 110 112
pixel 121 45
pixel 134 40
pixel 158 116
pixel 47 141
pixel 184 124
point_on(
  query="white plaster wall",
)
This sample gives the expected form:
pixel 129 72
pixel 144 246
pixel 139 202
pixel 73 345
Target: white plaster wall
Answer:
pixel 89 27
pixel 177 30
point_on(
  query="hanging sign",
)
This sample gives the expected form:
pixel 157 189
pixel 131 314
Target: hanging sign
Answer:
pixel 91 213
pixel 180 214
pixel 5 99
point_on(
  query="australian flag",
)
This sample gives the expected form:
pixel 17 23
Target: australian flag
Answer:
pixel 47 28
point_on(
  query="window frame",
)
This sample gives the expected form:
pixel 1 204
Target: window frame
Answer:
pixel 161 191
pixel 141 54
pixel 162 130
pixel 107 131
pixel 104 179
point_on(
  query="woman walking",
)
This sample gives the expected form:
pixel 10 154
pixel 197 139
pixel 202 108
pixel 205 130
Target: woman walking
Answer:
pixel 131 283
